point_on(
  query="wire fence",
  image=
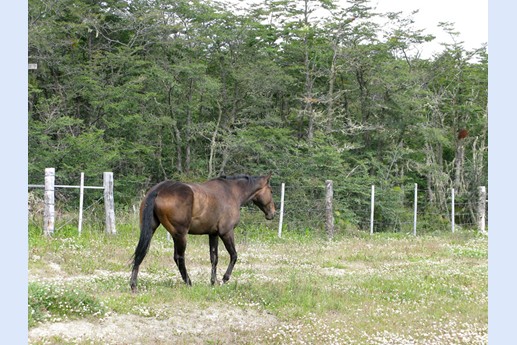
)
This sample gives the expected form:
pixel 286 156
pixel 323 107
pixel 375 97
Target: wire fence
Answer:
pixel 304 209
pixel 394 211
pixel 67 212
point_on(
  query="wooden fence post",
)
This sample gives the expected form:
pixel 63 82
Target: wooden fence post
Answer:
pixel 109 203
pixel 481 209
pixel 49 214
pixel 281 221
pixel 372 209
pixel 329 216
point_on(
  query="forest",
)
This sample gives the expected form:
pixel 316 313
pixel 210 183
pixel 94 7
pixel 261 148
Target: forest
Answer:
pixel 307 89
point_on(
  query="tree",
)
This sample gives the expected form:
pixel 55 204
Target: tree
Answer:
pixel 176 89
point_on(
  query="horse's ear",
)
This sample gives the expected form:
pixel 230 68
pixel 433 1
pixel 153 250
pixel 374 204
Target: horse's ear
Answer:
pixel 268 176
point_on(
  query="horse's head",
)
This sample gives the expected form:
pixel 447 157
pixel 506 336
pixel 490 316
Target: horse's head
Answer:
pixel 263 198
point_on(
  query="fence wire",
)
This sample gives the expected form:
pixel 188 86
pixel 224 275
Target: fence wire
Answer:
pixel 66 211
pixel 304 210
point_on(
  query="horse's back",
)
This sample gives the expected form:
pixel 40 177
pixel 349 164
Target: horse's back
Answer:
pixel 213 206
pixel 196 208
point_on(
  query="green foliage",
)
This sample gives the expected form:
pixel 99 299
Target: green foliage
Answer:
pixel 185 90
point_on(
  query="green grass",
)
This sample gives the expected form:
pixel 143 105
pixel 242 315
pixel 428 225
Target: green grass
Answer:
pixel 357 289
pixel 56 301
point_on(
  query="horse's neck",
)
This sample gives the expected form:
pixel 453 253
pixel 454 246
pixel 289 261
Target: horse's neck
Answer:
pixel 246 190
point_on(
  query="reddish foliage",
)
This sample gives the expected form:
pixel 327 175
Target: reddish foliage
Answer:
pixel 463 133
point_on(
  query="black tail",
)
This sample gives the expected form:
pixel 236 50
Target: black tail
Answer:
pixel 146 230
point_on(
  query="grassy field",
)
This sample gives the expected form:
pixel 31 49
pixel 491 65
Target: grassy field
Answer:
pixel 301 289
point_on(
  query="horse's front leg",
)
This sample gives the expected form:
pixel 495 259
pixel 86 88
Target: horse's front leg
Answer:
pixel 229 243
pixel 180 244
pixel 214 242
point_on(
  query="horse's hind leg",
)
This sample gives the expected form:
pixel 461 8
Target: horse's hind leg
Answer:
pixel 214 242
pixel 229 243
pixel 180 244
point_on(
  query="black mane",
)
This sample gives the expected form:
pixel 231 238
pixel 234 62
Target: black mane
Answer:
pixel 249 178
pixel 235 177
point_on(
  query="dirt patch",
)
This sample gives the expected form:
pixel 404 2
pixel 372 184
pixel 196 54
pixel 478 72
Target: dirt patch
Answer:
pixel 187 324
pixel 224 324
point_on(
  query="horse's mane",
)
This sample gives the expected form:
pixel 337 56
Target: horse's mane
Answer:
pixel 234 177
pixel 249 178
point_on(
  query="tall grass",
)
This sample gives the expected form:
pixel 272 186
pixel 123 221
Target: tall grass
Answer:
pixel 355 289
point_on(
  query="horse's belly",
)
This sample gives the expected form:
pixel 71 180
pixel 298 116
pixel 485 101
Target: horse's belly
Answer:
pixel 201 228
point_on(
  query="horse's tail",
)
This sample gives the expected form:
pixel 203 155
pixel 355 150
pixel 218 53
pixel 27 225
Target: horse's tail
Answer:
pixel 146 229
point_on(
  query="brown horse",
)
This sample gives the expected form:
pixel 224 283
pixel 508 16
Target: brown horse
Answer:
pixel 211 208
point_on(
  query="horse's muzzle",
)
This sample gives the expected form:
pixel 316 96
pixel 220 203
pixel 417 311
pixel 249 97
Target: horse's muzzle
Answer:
pixel 270 216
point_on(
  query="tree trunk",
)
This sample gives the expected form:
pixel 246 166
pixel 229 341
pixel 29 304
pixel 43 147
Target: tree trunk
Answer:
pixel 332 80
pixel 459 160
pixel 226 156
pixel 235 106
pixel 437 179
pixel 159 155
pixel 176 134
pixel 364 95
pixel 308 111
pixel 188 130
pixel 213 142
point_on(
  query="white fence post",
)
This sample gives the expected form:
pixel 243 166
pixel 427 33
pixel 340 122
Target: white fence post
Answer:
pixel 415 210
pixel 109 203
pixel 329 216
pixel 281 221
pixel 49 214
pixel 482 209
pixel 452 210
pixel 372 209
pixel 81 197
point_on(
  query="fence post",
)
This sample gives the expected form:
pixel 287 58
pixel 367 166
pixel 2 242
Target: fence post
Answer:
pixel 329 217
pixel 372 209
pixel 49 214
pixel 481 208
pixel 281 221
pixel 452 210
pixel 415 210
pixel 81 197
pixel 109 203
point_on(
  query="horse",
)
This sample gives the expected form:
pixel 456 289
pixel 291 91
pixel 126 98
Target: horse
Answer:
pixel 211 208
